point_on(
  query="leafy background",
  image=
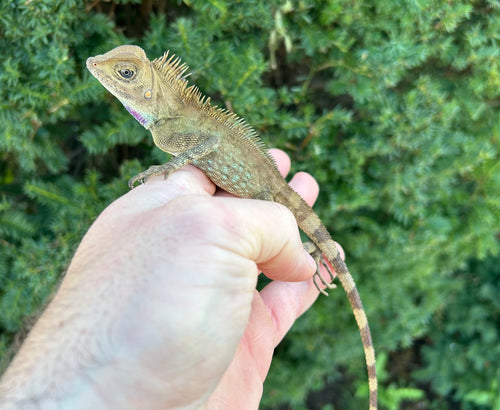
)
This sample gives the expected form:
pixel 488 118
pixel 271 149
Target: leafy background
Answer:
pixel 393 106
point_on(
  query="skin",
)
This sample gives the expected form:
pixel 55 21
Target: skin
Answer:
pixel 158 308
pixel 182 122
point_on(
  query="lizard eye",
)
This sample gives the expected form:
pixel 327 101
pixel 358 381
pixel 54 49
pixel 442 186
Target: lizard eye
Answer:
pixel 126 73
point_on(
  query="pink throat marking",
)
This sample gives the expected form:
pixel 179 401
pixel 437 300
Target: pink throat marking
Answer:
pixel 144 119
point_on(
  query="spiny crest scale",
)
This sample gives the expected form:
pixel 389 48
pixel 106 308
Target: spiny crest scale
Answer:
pixel 173 71
pixel 172 68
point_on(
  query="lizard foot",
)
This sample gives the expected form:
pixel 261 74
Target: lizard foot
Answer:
pixel 317 255
pixel 153 170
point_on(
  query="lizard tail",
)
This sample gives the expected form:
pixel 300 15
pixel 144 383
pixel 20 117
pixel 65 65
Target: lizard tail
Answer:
pixel 312 226
pixel 332 254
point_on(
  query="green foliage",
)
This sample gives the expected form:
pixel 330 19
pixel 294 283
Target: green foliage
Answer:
pixel 392 106
pixel 462 359
pixel 391 396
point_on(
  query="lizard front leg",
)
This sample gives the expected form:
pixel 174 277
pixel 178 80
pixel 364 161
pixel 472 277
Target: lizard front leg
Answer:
pixel 191 154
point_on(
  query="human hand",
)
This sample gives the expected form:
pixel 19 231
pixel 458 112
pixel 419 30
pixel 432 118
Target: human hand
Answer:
pixel 157 297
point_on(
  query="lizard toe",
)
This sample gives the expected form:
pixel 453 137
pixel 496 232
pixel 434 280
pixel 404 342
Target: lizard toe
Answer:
pixel 317 255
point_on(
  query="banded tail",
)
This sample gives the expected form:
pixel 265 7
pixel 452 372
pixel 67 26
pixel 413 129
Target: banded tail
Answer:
pixel 332 254
pixel 312 226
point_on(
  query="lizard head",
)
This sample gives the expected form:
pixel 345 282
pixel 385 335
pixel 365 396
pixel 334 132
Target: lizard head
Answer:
pixel 126 72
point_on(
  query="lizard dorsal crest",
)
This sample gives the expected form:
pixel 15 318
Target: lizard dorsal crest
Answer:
pixel 174 72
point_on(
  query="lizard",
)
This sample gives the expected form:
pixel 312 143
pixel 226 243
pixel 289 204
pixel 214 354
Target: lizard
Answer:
pixel 185 124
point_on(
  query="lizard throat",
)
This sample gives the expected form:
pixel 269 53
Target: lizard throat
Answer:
pixel 144 119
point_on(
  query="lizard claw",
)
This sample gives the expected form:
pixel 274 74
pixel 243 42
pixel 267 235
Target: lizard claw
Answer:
pixel 143 176
pixel 318 258
pixel 328 285
pixel 137 178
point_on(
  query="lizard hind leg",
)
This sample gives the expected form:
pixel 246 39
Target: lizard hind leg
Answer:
pixel 317 255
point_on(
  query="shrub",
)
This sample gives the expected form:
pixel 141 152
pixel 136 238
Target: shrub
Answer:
pixel 392 106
